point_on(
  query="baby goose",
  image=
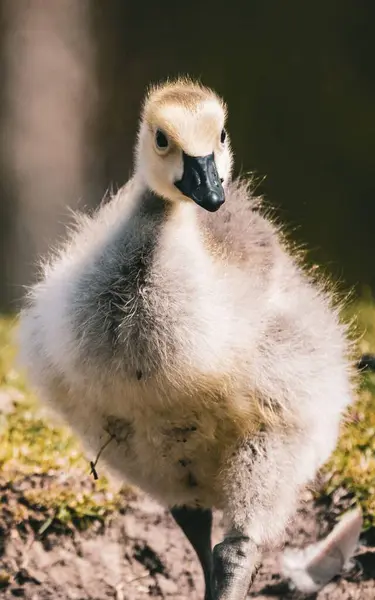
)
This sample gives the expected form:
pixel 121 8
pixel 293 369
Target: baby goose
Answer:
pixel 192 339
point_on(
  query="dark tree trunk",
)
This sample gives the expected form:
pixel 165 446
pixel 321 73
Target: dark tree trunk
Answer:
pixel 46 107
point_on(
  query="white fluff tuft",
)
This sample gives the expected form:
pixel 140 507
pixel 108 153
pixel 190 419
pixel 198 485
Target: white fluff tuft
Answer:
pixel 311 568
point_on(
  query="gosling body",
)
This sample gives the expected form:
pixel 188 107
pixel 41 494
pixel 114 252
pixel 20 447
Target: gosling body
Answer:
pixel 193 339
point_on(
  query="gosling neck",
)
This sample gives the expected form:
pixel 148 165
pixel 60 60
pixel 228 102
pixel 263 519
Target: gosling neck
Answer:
pixel 151 202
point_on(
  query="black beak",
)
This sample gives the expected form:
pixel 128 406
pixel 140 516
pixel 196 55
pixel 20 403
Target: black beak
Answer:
pixel 201 182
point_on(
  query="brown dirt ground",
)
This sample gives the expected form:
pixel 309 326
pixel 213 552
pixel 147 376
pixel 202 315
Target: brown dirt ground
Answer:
pixel 142 554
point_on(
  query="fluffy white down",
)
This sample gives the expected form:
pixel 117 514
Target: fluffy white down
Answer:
pixel 222 372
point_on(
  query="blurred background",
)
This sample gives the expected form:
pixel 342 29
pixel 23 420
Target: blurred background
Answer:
pixel 299 78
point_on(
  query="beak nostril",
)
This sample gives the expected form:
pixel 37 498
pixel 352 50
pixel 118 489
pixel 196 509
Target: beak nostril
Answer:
pixel 222 179
pixel 197 178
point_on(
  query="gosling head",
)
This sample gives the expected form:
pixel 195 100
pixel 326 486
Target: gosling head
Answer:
pixel 183 151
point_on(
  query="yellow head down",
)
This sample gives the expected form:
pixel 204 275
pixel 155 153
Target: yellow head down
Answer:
pixel 183 149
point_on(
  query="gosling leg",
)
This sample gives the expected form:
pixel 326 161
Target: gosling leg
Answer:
pixel 260 484
pixel 235 567
pixel 197 525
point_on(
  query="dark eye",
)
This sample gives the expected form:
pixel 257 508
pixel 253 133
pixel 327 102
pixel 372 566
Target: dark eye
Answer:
pixel 161 140
pixel 223 136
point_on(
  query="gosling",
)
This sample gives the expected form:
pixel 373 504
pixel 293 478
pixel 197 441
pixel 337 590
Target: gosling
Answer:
pixel 176 322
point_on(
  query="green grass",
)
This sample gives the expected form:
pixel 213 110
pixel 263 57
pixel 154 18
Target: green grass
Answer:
pixel 41 464
pixel 352 466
